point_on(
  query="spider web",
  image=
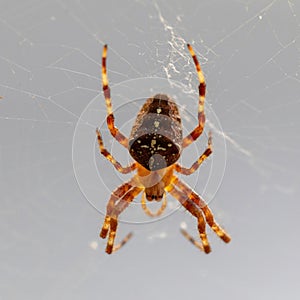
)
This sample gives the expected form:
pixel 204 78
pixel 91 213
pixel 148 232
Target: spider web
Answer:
pixel 50 62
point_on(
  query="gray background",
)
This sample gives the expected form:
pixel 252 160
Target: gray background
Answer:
pixel 49 75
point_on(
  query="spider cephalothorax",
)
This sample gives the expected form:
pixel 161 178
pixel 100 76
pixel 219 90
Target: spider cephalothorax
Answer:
pixel 155 144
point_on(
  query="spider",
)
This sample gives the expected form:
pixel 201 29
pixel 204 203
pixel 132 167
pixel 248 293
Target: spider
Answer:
pixel 155 144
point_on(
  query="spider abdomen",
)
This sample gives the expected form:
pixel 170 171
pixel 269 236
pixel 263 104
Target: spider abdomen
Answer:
pixel 156 137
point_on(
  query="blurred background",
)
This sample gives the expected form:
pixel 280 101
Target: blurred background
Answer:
pixel 55 184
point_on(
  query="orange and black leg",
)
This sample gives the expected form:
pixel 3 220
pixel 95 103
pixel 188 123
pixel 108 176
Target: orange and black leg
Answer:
pixel 113 211
pixel 196 164
pixel 201 115
pixel 196 212
pixel 109 157
pixel 110 116
pixel 200 203
pixel 117 194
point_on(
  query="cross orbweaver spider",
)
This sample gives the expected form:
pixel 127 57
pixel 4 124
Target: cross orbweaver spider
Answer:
pixel 155 144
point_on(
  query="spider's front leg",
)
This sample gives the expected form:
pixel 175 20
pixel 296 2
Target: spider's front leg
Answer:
pixel 196 206
pixel 118 193
pixel 124 195
pixel 201 204
pixel 109 157
pixel 196 212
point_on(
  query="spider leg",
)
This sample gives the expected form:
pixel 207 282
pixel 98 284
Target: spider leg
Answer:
pixel 109 157
pixel 201 115
pixel 189 205
pixel 118 193
pixel 191 239
pixel 198 162
pixel 125 194
pixel 110 116
pixel 149 212
pixel 118 209
pixel 196 199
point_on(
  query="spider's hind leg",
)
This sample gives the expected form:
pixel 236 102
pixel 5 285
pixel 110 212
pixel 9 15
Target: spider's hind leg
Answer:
pixel 115 132
pixel 202 90
pixel 110 158
pixel 198 162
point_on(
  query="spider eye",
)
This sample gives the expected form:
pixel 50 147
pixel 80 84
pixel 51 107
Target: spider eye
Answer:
pixel 151 197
